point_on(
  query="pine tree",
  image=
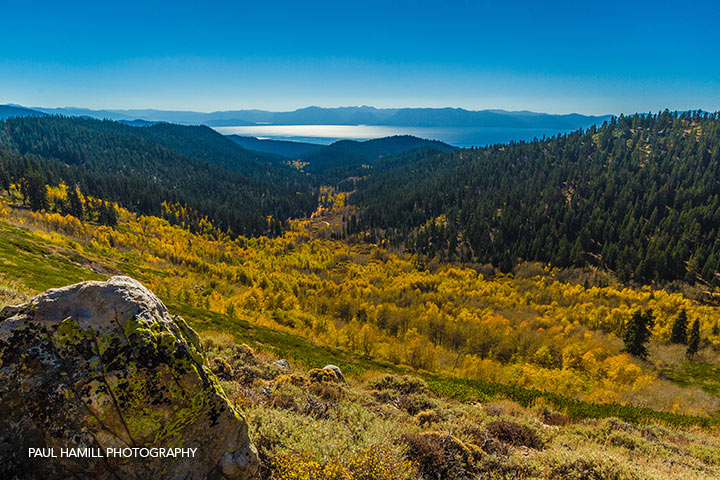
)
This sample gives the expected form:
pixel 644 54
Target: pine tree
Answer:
pixel 679 328
pixel 35 191
pixel 76 205
pixel 694 341
pixel 637 333
pixel 4 180
pixel 107 214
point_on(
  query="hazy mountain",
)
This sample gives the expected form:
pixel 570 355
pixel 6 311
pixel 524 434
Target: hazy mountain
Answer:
pixel 9 111
pixel 363 115
pixel 138 122
pixel 86 113
pixel 458 117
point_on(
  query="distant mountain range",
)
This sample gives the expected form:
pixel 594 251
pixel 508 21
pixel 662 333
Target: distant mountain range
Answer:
pixel 364 115
pixel 10 111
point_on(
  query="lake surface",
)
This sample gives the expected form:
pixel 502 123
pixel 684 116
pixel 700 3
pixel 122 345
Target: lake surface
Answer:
pixel 325 134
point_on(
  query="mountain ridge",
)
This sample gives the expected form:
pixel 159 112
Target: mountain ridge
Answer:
pixel 353 115
pixel 12 111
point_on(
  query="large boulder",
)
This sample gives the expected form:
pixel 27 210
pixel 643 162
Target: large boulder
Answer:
pixel 103 365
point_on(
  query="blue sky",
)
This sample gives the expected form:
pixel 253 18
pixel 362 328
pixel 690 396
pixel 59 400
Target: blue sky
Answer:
pixel 566 56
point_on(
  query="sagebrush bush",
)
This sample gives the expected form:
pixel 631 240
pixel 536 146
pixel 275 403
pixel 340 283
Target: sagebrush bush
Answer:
pixel 346 433
pixel 222 368
pixel 585 469
pixel 12 292
pixel 323 375
pixel 427 417
pixel 292 379
pixel 514 434
pixel 555 419
pixel 405 385
pixel 412 404
pixel 480 437
pixel 326 391
pixel 437 455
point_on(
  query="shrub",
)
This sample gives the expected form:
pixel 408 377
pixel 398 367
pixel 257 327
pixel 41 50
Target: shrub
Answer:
pixel 487 443
pixel 406 393
pixel 414 404
pixel 443 456
pixel 246 374
pixel 327 391
pixel 582 469
pixel 291 379
pixel 245 353
pixel 624 440
pixel 555 419
pixel 427 417
pixel 285 396
pixel 323 375
pixel 374 463
pixel 284 401
pixel 317 408
pixel 222 368
pixel 514 434
pixel 503 468
pixel 404 385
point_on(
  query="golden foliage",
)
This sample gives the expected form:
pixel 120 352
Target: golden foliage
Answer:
pixel 534 331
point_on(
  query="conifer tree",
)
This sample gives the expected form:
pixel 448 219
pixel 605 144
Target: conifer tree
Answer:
pixel 637 333
pixel 76 206
pixel 35 191
pixel 679 328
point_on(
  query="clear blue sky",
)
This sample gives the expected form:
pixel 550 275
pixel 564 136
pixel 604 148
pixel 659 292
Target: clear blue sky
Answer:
pixel 564 56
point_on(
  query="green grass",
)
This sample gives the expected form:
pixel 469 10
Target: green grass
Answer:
pixel 482 391
pixel 701 375
pixel 28 258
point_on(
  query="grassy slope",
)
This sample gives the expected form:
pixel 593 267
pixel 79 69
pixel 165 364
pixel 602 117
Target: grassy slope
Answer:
pixel 702 375
pixel 37 262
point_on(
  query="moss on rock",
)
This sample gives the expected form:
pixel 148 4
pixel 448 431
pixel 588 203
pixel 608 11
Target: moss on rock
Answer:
pixel 104 365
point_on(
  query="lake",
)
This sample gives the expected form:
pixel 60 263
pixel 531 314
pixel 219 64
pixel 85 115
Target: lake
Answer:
pixel 325 134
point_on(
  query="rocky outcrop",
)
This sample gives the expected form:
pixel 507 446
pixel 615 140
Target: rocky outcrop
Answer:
pixel 103 365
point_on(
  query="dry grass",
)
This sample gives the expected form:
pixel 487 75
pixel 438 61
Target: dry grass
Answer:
pixel 301 431
pixel 12 292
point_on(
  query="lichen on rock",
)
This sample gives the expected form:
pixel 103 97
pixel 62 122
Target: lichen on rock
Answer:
pixel 104 365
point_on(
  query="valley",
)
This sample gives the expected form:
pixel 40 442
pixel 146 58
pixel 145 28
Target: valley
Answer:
pixel 471 366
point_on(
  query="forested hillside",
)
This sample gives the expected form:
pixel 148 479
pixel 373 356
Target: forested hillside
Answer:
pixel 639 196
pixel 287 149
pixel 350 158
pixel 195 169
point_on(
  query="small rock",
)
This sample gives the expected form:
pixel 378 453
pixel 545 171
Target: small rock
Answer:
pixel 282 363
pixel 337 371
